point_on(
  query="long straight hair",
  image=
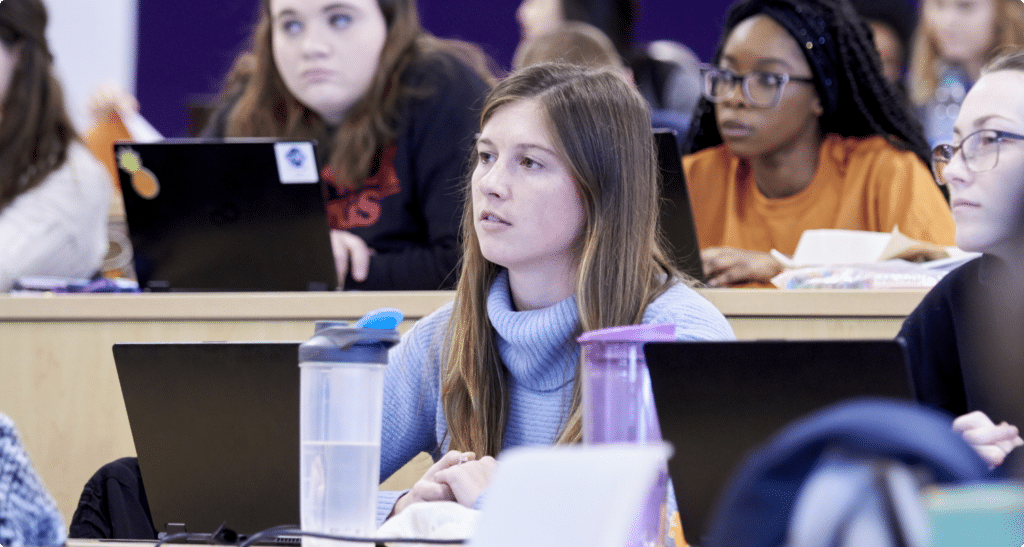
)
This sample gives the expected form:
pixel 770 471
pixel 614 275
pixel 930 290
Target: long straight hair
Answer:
pixel 267 108
pixel 35 129
pixel 926 60
pixel 601 129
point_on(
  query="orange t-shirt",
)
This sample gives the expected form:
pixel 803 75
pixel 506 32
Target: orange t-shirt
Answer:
pixel 860 184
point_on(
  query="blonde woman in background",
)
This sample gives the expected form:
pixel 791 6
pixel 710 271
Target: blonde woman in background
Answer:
pixel 954 40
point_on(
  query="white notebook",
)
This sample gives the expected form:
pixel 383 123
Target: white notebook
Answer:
pixel 569 495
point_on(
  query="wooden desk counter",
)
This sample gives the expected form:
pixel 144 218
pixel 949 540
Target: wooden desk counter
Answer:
pixel 816 314
pixel 59 384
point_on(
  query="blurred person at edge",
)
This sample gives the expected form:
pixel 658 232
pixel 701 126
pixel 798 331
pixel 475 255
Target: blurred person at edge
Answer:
pixel 573 43
pixel 954 39
pixel 964 339
pixel 665 72
pixel 892 27
pixel 54 195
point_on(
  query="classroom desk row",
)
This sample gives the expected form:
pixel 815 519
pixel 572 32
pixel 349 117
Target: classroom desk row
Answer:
pixel 59 384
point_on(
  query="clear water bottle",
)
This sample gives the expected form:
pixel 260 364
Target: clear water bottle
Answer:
pixel 618 407
pixel 341 396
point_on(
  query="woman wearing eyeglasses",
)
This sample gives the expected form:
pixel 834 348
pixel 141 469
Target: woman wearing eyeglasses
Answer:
pixel 798 129
pixel 963 340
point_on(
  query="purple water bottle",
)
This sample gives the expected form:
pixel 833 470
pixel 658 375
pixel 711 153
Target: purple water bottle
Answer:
pixel 618 407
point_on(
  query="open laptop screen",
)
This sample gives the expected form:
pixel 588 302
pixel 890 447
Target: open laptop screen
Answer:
pixel 216 430
pixel 718 401
pixel 676 215
pixel 237 214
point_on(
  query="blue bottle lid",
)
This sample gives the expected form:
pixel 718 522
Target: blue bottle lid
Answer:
pixel 367 341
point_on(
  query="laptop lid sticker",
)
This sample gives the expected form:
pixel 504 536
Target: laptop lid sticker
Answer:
pixel 295 163
pixel 143 180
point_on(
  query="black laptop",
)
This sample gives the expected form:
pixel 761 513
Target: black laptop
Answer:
pixel 718 401
pixel 216 430
pixel 676 215
pixel 226 215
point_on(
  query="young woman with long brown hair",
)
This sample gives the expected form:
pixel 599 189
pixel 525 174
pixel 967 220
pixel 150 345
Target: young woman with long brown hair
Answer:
pixel 953 40
pixel 560 237
pixel 54 195
pixel 394 110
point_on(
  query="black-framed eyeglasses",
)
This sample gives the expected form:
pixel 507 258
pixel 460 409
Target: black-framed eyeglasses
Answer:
pixel 760 89
pixel 979 149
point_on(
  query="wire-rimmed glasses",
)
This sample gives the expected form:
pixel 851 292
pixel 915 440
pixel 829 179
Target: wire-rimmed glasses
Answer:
pixel 760 89
pixel 980 151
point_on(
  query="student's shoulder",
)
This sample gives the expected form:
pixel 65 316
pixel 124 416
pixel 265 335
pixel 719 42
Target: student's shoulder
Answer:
pixel 714 155
pixel 695 317
pixel 445 69
pixel 678 294
pixel 433 324
pixel 969 273
pixel 707 163
pixel 83 162
pixel 874 150
pixel 81 178
pixel 941 306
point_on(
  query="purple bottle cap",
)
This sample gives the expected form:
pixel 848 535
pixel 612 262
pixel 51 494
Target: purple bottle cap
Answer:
pixel 655 332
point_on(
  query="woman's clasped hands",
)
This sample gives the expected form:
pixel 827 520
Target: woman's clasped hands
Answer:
pixel 457 476
pixel 992 441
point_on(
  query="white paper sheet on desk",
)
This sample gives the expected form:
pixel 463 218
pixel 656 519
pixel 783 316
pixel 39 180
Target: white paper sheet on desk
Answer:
pixel 572 495
pixel 835 247
pixel 839 247
pixel 138 127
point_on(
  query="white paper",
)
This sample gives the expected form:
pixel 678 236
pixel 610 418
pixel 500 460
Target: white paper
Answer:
pixel 138 127
pixel 295 163
pixel 435 520
pixel 569 495
pixel 956 259
pixel 839 247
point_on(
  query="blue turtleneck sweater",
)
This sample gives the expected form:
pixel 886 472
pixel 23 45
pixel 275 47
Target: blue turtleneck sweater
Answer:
pixel 539 349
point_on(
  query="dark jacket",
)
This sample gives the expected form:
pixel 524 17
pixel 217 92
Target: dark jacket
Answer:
pixel 963 342
pixel 755 508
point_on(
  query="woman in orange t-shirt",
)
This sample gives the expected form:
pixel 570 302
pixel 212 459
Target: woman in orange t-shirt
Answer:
pixel 798 129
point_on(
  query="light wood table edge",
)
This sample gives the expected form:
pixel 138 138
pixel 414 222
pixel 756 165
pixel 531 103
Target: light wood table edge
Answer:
pixel 416 304
pixel 225 306
pixel 814 302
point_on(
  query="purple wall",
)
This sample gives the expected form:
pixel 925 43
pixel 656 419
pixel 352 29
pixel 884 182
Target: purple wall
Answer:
pixel 185 49
pixel 186 46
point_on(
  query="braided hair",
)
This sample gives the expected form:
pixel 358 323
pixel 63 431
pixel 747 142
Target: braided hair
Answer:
pixel 856 98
